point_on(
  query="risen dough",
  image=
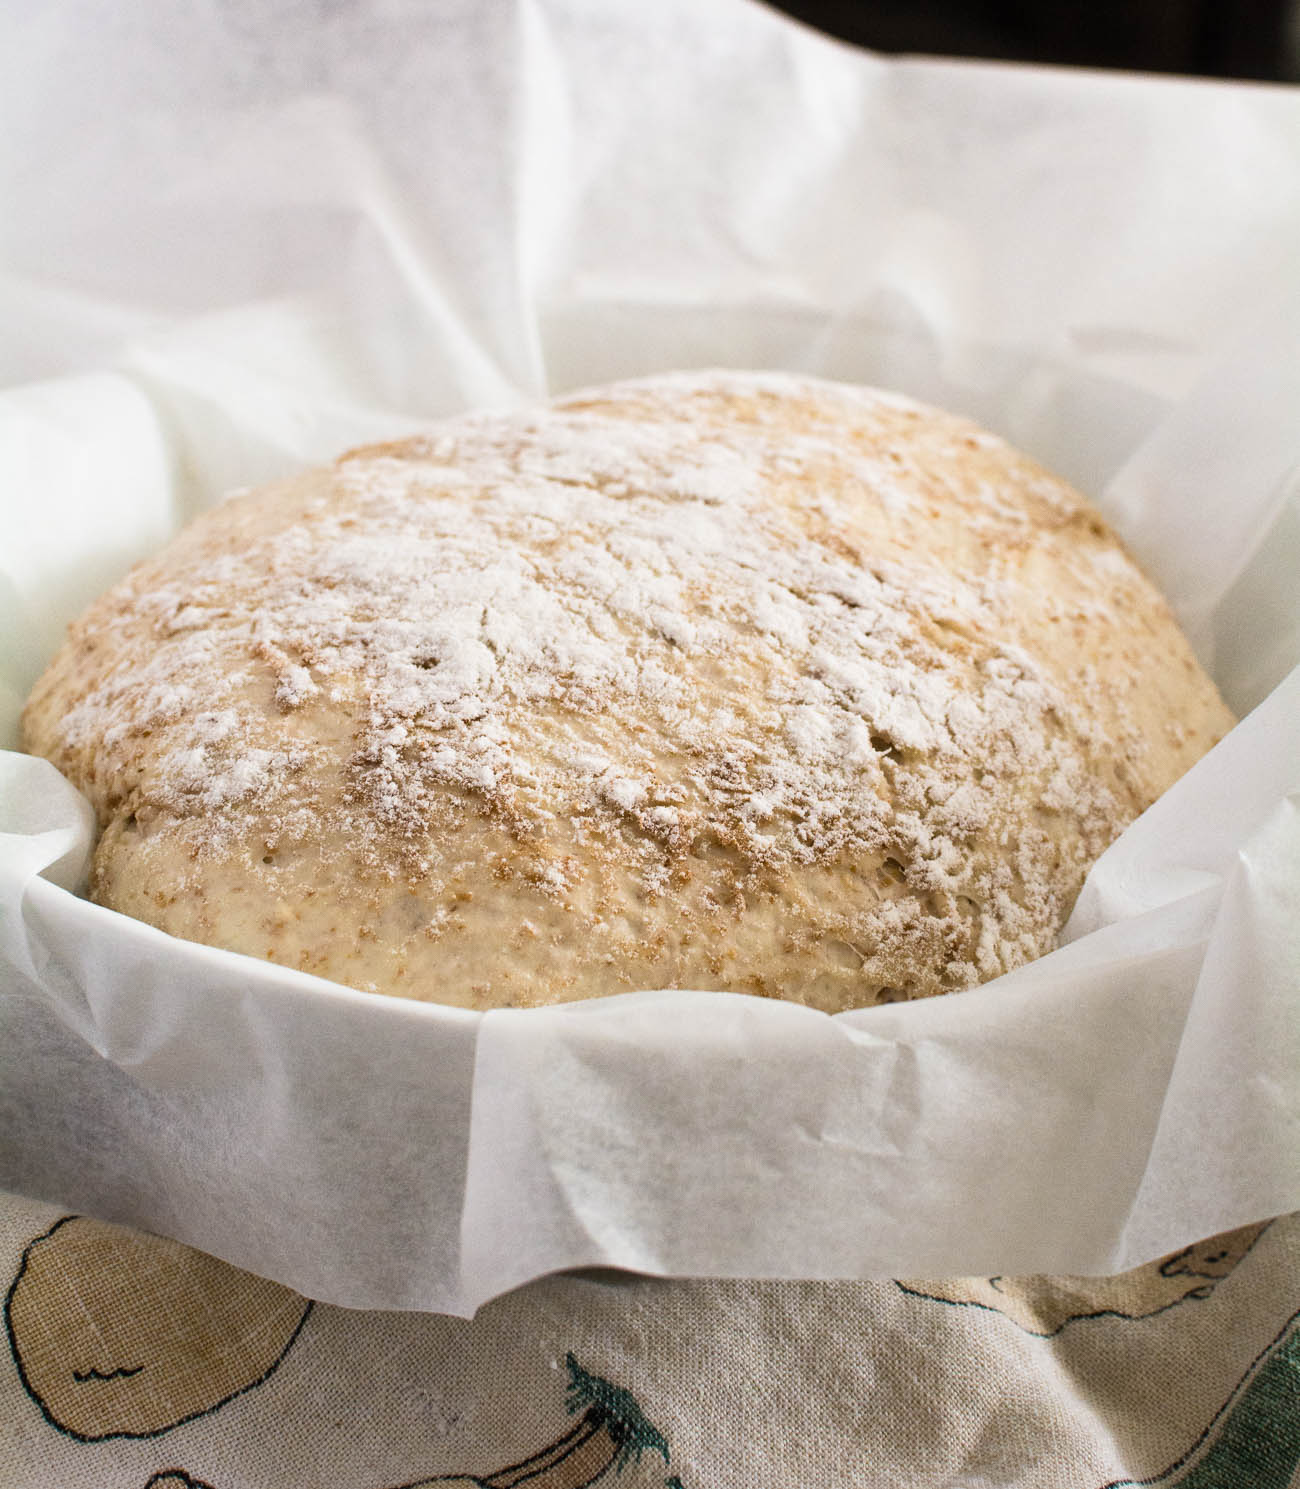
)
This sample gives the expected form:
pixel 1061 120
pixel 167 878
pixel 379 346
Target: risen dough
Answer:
pixel 714 680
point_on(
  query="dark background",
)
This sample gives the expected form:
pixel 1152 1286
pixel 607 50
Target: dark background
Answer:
pixel 1230 39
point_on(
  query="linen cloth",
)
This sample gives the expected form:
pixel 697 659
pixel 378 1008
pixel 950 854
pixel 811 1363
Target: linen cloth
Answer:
pixel 132 1361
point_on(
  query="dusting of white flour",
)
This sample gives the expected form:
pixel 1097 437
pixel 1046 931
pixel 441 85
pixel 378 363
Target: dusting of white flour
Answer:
pixel 663 628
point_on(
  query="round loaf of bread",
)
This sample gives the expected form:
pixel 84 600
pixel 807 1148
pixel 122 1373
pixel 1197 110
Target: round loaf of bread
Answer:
pixel 722 681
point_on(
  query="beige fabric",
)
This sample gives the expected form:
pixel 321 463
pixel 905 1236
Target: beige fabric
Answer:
pixel 117 1332
pixel 735 681
pixel 1185 1372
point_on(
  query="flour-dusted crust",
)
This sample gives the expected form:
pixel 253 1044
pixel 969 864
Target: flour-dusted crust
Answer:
pixel 715 680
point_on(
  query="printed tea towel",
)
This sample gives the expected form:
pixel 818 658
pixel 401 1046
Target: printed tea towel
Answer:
pixel 137 1363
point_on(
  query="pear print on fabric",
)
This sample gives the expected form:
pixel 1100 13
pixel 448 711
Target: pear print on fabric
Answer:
pixel 121 1334
pixel 1044 1305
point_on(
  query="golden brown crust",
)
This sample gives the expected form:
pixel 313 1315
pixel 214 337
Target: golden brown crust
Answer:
pixel 725 680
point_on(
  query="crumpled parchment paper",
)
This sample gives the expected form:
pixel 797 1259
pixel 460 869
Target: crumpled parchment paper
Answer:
pixel 242 237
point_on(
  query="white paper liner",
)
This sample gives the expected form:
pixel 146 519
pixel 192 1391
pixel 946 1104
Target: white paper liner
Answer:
pixel 545 194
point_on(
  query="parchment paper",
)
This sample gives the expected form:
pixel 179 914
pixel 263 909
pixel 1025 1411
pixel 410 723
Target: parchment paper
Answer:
pixel 238 239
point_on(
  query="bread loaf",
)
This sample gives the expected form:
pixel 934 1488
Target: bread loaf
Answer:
pixel 715 680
